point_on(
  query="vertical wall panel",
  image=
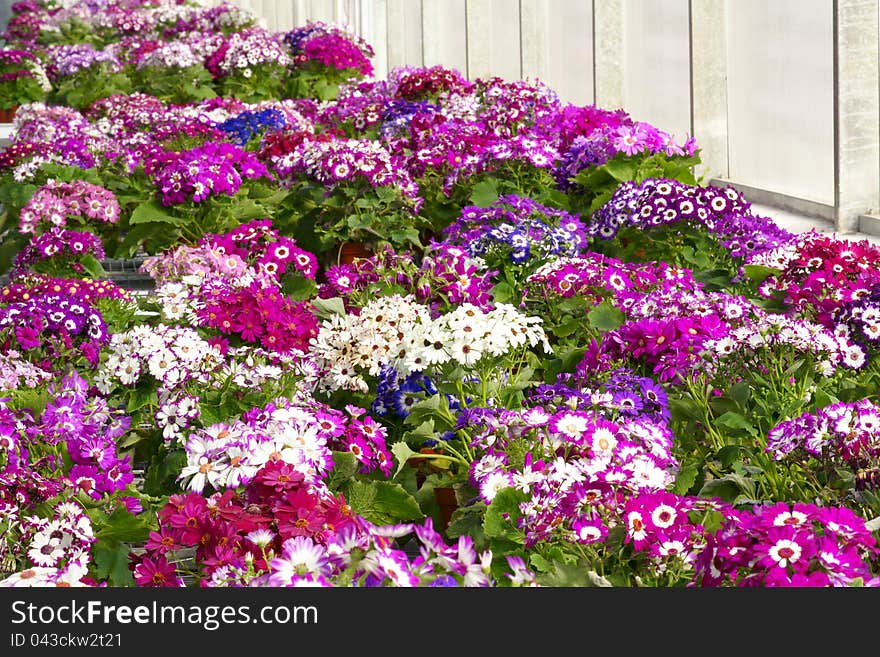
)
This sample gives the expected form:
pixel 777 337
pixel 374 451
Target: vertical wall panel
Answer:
pixel 534 26
pixel 781 94
pixel 374 29
pixel 444 34
pixel 322 10
pixel 493 39
pixel 284 15
pixel 657 64
pixel 404 33
pixel 570 49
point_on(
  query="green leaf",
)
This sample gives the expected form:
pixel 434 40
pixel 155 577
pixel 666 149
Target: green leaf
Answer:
pixel 729 488
pixel 686 477
pixel 382 502
pixel 345 467
pixel 142 396
pixel 298 287
pixel 740 392
pixel 468 521
pixel 605 317
pixel 685 408
pixel 484 193
pixel 759 273
pixel 567 327
pixel 402 453
pixel 502 514
pixel 326 308
pixel 111 563
pixel 727 455
pixel 568 575
pixel 620 169
pixel 153 212
pixel 92 266
pixel 735 421
pixel 161 475
pixel 123 526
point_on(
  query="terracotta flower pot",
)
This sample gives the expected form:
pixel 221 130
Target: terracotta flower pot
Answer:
pixel 7 114
pixel 351 251
pixel 448 503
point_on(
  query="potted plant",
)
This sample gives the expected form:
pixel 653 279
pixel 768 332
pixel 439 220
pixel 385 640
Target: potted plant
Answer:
pixel 343 191
pixel 22 80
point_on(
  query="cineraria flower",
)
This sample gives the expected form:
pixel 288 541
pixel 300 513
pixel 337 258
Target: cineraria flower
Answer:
pixel 755 549
pixel 445 277
pixel 208 170
pixel 839 434
pixel 59 204
pixel 58 250
pixel 516 229
pixel 53 326
pixel 331 46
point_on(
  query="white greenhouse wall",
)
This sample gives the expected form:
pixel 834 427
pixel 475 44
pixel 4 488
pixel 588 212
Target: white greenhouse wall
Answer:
pixel 781 96
pixel 657 81
pixel 785 94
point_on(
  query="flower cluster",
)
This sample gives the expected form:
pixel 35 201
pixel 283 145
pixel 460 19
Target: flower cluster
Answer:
pixel 818 274
pixel 53 327
pixel 342 162
pixel 59 548
pixel 249 124
pixel 573 463
pixel 245 51
pixel 68 60
pixel 170 355
pixel 414 83
pixel 594 277
pixel 58 250
pixel 62 204
pixel 445 277
pixel 331 46
pixel 517 229
pixel 786 544
pixel 399 331
pixel 840 433
pixel 23 78
pixel 193 175
pixel 303 436
pixel 89 428
pixel 609 139
pixel 88 290
pixel 18 373
pixel 258 313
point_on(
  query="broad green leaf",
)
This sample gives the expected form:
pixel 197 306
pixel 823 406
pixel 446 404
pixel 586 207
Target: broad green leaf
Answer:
pixel 727 455
pixel 402 452
pixel 605 317
pixel 328 307
pixel 111 563
pixel 345 467
pixel 740 392
pixel 142 396
pixel 382 502
pixel 123 526
pixel 502 514
pixel 92 266
pixel 735 421
pixel 759 273
pixel 154 212
pixel 567 575
pixel 484 193
pixel 468 521
pixel 620 168
pixel 729 488
pixel 685 479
